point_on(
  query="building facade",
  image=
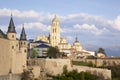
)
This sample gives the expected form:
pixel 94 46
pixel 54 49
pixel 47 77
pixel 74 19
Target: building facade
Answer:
pixel 54 39
pixel 13 51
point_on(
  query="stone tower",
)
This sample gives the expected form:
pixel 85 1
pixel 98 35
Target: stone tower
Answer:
pixel 23 46
pixel 55 32
pixel 11 35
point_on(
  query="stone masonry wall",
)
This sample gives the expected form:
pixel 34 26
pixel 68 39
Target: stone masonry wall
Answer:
pixel 5 56
pixel 55 66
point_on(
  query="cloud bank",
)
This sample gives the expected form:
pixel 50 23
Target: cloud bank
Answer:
pixel 90 29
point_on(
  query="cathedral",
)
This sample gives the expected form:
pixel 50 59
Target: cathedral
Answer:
pixel 54 38
pixel 13 51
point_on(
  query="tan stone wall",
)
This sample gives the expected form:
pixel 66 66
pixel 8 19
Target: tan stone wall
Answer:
pixel 36 71
pixel 5 56
pixel 11 56
pixel 10 77
pixel 100 62
pixel 55 66
pixel 104 73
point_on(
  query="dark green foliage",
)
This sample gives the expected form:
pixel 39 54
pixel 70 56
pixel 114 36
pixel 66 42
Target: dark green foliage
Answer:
pixel 34 53
pixel 75 75
pixel 101 50
pixel 82 63
pixel 115 70
pixel 91 57
pixel 53 52
pixel 27 75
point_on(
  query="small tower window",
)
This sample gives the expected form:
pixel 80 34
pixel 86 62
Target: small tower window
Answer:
pixel 25 51
pixel 21 43
pixel 53 30
pixel 12 36
pixel 12 47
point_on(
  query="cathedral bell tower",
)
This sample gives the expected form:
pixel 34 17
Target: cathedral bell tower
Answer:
pixel 55 32
pixel 23 46
pixel 11 33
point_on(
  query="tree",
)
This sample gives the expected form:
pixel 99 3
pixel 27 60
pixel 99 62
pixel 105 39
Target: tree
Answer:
pixel 75 75
pixel 101 50
pixel 27 75
pixel 34 53
pixel 53 52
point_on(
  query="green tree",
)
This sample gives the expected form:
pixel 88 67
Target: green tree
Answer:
pixel 27 75
pixel 34 53
pixel 53 52
pixel 75 75
pixel 101 50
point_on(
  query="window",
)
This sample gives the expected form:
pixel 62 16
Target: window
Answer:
pixel 25 51
pixel 53 30
pixel 12 36
pixel 12 47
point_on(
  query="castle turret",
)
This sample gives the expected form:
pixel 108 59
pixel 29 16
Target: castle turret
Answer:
pixel 23 35
pixel 11 33
pixel 55 32
pixel 23 46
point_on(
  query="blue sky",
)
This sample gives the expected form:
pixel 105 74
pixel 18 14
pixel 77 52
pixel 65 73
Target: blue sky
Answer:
pixel 95 22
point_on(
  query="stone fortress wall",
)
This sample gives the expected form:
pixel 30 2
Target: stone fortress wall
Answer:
pixel 4 56
pixel 102 61
pixel 55 66
pixel 10 77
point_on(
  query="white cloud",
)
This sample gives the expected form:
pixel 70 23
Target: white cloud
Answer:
pixel 116 23
pixel 3 28
pixel 17 13
pixel 92 28
pixel 35 25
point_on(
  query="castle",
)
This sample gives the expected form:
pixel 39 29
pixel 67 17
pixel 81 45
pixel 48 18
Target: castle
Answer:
pixel 13 51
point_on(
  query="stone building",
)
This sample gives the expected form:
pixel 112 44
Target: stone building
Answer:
pixel 13 51
pixel 54 39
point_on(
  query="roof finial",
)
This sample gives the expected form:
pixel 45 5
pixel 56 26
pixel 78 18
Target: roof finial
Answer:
pixel 76 38
pixel 11 13
pixel 23 24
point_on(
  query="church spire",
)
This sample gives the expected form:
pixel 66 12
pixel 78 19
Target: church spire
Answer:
pixel 23 35
pixel 76 39
pixel 11 27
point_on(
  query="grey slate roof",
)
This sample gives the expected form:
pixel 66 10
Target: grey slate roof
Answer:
pixel 23 35
pixel 42 46
pixel 11 27
pixel 39 41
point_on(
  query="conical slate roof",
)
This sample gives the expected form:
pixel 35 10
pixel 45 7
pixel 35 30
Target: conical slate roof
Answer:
pixel 11 27
pixel 23 35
